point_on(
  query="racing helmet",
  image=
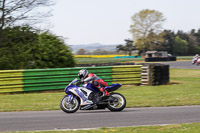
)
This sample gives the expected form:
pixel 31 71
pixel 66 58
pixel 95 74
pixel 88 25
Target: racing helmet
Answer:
pixel 83 73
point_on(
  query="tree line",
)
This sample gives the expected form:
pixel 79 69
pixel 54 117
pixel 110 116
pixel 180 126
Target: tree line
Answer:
pixel 148 34
pixel 176 43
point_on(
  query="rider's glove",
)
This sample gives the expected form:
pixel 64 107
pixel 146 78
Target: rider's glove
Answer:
pixel 78 83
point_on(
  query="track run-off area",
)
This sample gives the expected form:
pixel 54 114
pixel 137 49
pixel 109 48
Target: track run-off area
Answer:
pixel 58 120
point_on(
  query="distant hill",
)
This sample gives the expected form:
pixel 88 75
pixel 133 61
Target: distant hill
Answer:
pixel 94 46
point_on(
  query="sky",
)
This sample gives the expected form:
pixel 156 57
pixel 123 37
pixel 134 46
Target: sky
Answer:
pixel 108 21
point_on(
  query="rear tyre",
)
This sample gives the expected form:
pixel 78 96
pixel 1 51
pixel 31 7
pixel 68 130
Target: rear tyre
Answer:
pixel 118 104
pixel 69 107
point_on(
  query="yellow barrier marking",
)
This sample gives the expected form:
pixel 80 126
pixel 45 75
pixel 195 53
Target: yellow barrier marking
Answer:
pixel 128 66
pixel 11 82
pixel 11 90
pixel 11 86
pixel 11 74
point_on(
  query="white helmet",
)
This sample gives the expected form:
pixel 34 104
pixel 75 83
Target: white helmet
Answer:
pixel 83 73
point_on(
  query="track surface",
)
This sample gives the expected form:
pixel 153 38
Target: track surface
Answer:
pixel 51 120
pixel 181 65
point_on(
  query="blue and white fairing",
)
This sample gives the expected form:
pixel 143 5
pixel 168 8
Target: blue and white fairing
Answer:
pixel 78 91
pixel 113 87
pixel 73 91
pixel 91 87
pixel 110 88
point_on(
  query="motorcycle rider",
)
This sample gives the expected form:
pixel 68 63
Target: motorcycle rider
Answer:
pixel 195 58
pixel 97 82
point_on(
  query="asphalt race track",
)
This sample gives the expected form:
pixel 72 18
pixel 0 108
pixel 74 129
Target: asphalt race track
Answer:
pixel 181 65
pixel 55 120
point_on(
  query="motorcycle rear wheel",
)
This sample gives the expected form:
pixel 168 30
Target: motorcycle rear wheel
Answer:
pixel 69 107
pixel 119 104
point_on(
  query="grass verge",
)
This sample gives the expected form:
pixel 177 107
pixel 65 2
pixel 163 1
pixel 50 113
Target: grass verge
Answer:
pixel 175 128
pixel 183 90
pixel 117 60
pixel 105 60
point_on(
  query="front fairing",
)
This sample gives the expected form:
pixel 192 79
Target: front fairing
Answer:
pixel 68 88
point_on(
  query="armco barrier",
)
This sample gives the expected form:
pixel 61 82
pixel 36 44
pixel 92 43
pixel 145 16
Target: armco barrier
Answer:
pixel 58 78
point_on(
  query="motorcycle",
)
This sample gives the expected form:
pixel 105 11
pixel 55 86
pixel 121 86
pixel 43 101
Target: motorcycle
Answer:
pixel 194 61
pixel 87 97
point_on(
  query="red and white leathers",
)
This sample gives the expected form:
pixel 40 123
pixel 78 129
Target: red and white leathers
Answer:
pixel 97 82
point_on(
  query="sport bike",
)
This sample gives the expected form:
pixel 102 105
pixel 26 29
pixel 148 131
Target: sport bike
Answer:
pixel 87 97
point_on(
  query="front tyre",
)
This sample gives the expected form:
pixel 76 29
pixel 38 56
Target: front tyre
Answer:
pixel 118 104
pixel 69 107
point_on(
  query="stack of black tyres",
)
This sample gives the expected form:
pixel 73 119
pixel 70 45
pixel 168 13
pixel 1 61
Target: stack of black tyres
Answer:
pixel 157 59
pixel 160 74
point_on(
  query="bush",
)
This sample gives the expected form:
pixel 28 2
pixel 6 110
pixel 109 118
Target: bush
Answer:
pixel 25 48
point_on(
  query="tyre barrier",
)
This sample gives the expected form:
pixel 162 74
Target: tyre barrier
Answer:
pixel 155 74
pixel 156 59
pixel 58 78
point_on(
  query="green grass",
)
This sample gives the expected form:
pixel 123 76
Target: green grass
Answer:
pixel 30 101
pixel 175 128
pixel 105 60
pixel 184 57
pixel 117 60
pixel 183 90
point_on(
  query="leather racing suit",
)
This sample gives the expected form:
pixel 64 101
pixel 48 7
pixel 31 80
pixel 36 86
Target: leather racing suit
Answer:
pixel 97 82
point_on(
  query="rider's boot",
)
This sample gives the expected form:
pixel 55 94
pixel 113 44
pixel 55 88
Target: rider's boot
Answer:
pixel 104 92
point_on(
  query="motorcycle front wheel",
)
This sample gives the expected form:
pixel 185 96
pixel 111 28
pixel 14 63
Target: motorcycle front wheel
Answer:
pixel 118 104
pixel 69 107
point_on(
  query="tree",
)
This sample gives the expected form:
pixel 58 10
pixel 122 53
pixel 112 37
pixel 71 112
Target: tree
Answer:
pixel 15 11
pixel 145 22
pixel 180 46
pixel 152 42
pixel 127 48
pixel 81 52
pixel 169 39
pixel 51 52
pixel 25 48
pixel 15 51
pixel 181 43
pixel 193 42
pixel 98 52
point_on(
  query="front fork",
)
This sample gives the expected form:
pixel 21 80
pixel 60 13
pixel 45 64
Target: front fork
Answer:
pixel 71 97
